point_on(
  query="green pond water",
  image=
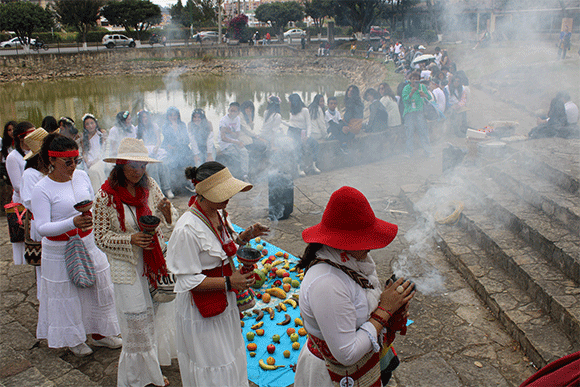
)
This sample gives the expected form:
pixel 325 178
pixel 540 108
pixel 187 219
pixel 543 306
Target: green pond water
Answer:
pixel 105 96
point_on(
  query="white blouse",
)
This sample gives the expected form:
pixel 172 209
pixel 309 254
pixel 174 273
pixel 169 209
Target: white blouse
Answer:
pixel 15 167
pixel 30 178
pixel 53 203
pixel 336 309
pixel 302 121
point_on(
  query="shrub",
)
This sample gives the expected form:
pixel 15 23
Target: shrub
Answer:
pixel 429 36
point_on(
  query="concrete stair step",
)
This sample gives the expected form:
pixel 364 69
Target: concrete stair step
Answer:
pixel 546 235
pixel 539 306
pixel 554 159
pixel 542 194
pixel 541 338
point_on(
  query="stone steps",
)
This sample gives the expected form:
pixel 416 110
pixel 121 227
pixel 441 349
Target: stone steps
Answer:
pixel 517 245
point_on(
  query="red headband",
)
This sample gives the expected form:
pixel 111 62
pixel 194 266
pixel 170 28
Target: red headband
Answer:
pixel 70 153
pixel 26 133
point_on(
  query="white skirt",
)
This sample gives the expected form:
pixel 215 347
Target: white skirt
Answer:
pixel 311 371
pixel 18 253
pixel 66 313
pixel 211 351
pixel 148 331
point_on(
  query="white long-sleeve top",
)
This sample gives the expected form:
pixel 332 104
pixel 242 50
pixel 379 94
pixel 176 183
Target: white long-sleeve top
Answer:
pixel 302 121
pixel 15 167
pixel 392 110
pixel 336 309
pixel 30 178
pixel 319 126
pixel 53 203
pixel 272 126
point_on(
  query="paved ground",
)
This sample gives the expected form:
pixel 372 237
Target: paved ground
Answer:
pixel 454 341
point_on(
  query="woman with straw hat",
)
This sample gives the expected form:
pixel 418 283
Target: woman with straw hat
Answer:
pixel 210 347
pixel 350 318
pixel 34 171
pixel 67 312
pixel 137 262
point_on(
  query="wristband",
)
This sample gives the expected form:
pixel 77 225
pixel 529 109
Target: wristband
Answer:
pixel 379 319
pixel 384 310
pixel 228 284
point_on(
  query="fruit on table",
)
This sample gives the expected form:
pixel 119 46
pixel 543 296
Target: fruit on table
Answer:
pixel 252 346
pixel 302 332
pixel 286 287
pixel 286 321
pixel 242 323
pixel 289 331
pixel 286 354
pixel 258 325
pixel 259 247
pixel 258 239
pixel 260 314
pixel 279 254
pixel 264 252
pixel 286 280
pixel 266 298
pixel 271 311
pixel 270 360
pixel 276 338
pixel 268 266
pixel 294 337
pixel 260 277
pixel 295 345
pixel 285 274
pixel 280 273
pixel 291 302
pixel 282 306
pixel 260 332
pixel 295 283
pixel 277 283
pixel 298 322
pixel 250 336
pixel 277 292
pixel 271 348
pixel 286 255
pixel 252 354
pixel 268 367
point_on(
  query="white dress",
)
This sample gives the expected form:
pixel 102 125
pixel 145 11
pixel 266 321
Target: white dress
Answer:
pixel 30 177
pixel 95 165
pixel 211 351
pixel 330 302
pixel 15 167
pixel 148 328
pixel 67 313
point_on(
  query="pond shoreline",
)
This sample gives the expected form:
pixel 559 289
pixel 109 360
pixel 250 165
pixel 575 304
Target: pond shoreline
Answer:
pixel 39 68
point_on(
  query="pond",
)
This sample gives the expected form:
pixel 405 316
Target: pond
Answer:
pixel 105 96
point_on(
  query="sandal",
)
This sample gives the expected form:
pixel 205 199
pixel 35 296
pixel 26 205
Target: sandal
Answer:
pixel 165 382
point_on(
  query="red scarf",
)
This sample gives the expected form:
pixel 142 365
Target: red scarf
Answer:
pixel 154 261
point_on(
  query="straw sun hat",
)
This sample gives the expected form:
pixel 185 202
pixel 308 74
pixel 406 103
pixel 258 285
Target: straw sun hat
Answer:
pixel 349 223
pixel 132 149
pixel 34 141
pixel 221 186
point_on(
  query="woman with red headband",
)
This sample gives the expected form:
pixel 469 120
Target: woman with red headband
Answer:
pixel 137 263
pixel 68 313
pixel 350 317
pixel 15 168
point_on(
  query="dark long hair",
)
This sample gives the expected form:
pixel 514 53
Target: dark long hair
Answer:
pixel 296 104
pixel 249 119
pixel 308 255
pixel 36 163
pixel 49 124
pixel 121 120
pixel 117 178
pixel 86 143
pixel 8 141
pixel 18 131
pixel 313 107
pixel 456 91
pixel 388 91
pixel 58 143
pixel 141 127
pixel 350 102
pixel 273 107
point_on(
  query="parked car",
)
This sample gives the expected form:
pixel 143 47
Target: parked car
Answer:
pixel 206 36
pixel 15 42
pixel 294 33
pixel 112 41
pixel 379 31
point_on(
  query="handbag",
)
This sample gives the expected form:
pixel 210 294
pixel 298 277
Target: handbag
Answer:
pixel 32 248
pixel 79 266
pixel 165 290
pixel 15 216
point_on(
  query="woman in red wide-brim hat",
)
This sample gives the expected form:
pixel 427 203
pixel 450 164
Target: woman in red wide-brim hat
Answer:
pixel 350 317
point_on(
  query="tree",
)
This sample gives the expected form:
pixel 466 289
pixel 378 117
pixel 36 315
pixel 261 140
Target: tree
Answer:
pixel 80 14
pixel 359 14
pixel 280 13
pixel 318 10
pixel 24 18
pixel 195 12
pixel 238 24
pixel 138 14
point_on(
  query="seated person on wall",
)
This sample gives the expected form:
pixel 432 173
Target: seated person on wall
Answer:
pixel 378 118
pixel 554 124
pixel 572 129
pixel 335 124
pixel 232 148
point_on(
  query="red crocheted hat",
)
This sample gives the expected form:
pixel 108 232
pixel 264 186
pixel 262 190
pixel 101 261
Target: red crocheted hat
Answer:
pixel 349 223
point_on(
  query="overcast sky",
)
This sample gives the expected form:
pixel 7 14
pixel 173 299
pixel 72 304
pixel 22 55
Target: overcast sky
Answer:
pixel 165 3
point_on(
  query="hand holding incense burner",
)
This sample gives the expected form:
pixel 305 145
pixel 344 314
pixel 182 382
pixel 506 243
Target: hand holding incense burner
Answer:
pixel 84 207
pixel 247 256
pixel 148 224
